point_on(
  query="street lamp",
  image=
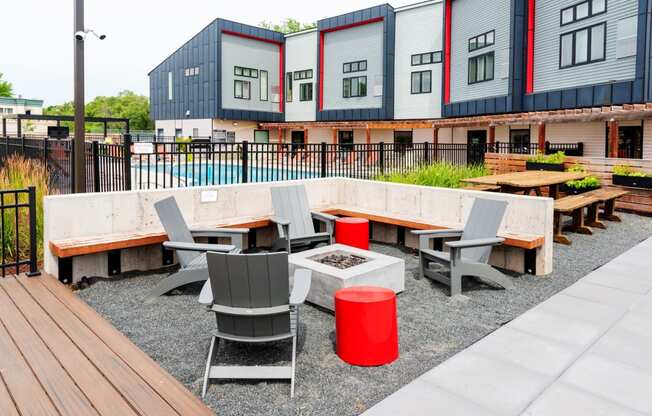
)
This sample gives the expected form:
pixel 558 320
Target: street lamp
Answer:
pixel 79 161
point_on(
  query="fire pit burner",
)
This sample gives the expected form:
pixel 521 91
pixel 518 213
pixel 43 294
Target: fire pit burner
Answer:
pixel 339 259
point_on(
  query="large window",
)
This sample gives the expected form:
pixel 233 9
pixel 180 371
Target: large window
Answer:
pixel 305 91
pixel 583 46
pixel 305 74
pixel 245 72
pixel 481 68
pixel 345 139
pixel 264 85
pixel 288 87
pixel 261 136
pixel 242 89
pixel 421 82
pixel 170 86
pixel 355 87
pixel 356 66
pixel 582 10
pixel 482 41
pixel 630 142
pixel 403 140
pixel 426 58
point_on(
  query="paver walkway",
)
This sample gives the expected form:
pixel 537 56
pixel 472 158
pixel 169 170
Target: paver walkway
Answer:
pixel 59 357
pixel 585 351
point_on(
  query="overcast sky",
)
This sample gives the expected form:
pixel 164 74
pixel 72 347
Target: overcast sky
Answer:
pixel 36 46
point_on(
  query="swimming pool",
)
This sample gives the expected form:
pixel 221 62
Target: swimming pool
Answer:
pixel 208 174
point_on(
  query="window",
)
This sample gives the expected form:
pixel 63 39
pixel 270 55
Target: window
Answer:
pixel 170 86
pixel 264 85
pixel 357 66
pixel 178 133
pixel 345 139
pixel 583 46
pixel 242 89
pixel 245 72
pixel 288 87
pixel 160 132
pixel 306 74
pixel 297 139
pixel 421 82
pixel 481 68
pixel 402 140
pixel 195 132
pixel 583 10
pixel 261 136
pixel 626 43
pixel 482 41
pixel 305 92
pixel 519 140
pixel 191 72
pixel 630 142
pixel 426 58
pixel 355 87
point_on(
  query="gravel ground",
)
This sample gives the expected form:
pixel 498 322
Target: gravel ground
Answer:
pixel 175 331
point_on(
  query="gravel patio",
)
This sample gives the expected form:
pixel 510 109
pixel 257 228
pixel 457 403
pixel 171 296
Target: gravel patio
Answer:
pixel 175 331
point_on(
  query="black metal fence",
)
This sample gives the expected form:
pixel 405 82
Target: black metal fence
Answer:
pixel 18 234
pixel 168 164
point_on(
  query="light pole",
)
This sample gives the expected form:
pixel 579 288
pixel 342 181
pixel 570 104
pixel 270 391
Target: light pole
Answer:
pixel 79 162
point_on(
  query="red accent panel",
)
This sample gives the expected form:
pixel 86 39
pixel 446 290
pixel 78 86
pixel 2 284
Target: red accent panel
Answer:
pixel 281 76
pixel 242 35
pixel 529 76
pixel 321 51
pixel 448 14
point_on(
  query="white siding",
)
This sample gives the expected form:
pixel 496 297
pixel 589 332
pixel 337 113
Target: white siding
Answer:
pixel 593 135
pixel 354 44
pixel 301 54
pixel 418 30
pixel 472 18
pixel 548 76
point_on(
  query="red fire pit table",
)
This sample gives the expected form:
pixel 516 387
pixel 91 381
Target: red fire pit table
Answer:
pixel 366 329
pixel 353 232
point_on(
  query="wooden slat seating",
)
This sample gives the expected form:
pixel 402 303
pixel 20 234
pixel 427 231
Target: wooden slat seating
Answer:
pixel 573 206
pixel 608 197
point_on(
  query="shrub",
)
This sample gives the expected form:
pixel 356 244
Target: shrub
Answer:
pixel 626 170
pixel 577 168
pixel 443 175
pixel 590 182
pixel 553 159
pixel 19 173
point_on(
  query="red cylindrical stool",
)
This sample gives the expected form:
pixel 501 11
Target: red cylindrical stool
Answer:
pixel 353 232
pixel 366 329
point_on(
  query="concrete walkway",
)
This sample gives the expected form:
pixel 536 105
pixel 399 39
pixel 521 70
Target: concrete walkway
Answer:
pixel 585 351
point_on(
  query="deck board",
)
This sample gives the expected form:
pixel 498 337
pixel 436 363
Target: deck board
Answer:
pixel 60 357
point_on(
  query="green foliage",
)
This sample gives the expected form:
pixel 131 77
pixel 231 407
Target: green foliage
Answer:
pixel 553 159
pixel 626 170
pixel 126 104
pixel 6 89
pixel 19 173
pixel 590 182
pixel 442 175
pixel 577 168
pixel 289 25
pixel 183 147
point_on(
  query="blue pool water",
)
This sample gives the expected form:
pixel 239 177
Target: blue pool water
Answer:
pixel 207 174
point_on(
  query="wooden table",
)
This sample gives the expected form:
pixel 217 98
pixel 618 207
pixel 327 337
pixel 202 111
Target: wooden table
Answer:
pixel 528 181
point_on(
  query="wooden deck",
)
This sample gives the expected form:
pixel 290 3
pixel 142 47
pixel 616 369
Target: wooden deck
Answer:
pixel 59 357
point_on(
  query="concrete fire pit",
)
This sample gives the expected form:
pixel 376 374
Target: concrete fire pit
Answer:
pixel 331 271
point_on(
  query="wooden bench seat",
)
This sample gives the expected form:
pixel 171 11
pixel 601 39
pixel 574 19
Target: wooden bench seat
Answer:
pixel 608 196
pixel 574 206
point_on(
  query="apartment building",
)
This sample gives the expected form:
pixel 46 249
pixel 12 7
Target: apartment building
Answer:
pixel 450 71
pixel 11 106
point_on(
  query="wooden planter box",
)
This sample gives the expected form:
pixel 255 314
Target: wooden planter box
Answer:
pixel 555 167
pixel 633 181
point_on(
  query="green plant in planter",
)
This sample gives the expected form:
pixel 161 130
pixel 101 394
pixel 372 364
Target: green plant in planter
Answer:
pixel 577 168
pixel 590 182
pixel 553 159
pixel 626 170
pixel 183 146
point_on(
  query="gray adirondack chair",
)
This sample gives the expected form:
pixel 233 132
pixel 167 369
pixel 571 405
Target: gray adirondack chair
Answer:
pixel 293 219
pixel 469 256
pixel 253 304
pixel 191 255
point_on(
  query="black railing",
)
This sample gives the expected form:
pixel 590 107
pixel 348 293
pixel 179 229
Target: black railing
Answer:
pixel 170 164
pixel 18 234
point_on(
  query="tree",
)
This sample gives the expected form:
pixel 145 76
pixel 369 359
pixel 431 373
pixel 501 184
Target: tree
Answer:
pixel 289 25
pixel 126 104
pixel 6 89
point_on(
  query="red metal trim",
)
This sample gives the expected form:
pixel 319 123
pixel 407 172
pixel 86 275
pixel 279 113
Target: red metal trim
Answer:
pixel 321 71
pixel 321 51
pixel 281 76
pixel 448 13
pixel 529 76
pixel 242 35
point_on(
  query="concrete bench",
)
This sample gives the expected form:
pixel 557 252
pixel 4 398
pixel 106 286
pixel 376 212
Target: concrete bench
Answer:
pixel 573 206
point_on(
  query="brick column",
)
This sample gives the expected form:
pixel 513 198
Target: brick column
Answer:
pixel 613 138
pixel 542 137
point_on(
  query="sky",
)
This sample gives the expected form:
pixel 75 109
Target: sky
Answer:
pixel 36 46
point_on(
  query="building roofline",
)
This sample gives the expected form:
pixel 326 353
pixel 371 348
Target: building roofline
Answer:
pixel 417 5
pixel 301 32
pixel 20 100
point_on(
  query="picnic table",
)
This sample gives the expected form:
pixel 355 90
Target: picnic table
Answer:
pixel 528 181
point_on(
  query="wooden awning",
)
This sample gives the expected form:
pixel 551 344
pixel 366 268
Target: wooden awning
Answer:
pixel 610 113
